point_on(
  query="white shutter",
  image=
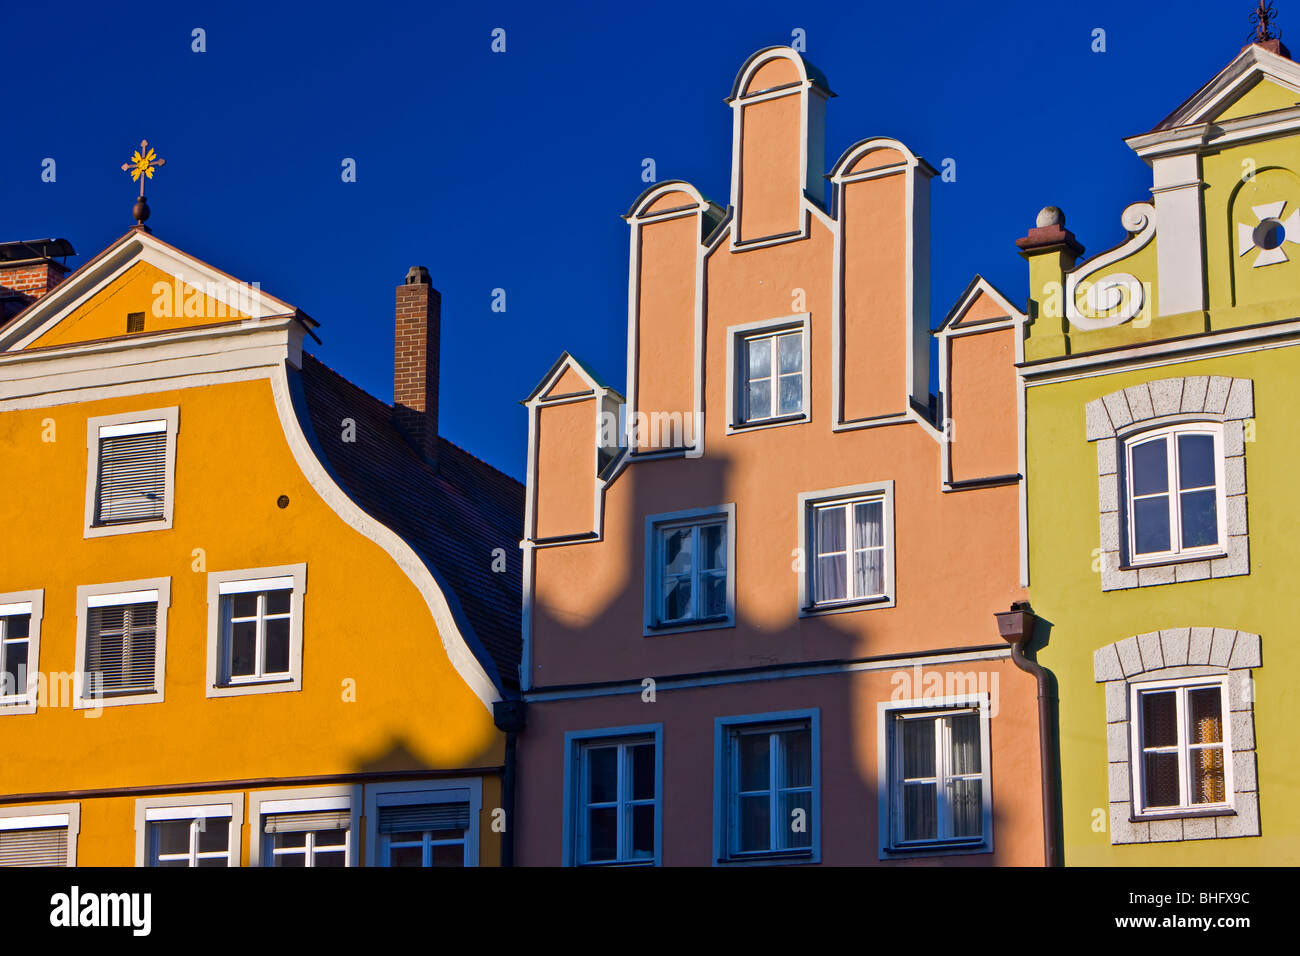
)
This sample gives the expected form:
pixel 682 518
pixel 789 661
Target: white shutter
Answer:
pixel 132 476
pixel 121 645
pixel 47 846
pixel 303 822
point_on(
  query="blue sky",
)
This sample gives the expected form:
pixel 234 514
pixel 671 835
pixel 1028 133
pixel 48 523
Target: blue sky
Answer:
pixel 511 170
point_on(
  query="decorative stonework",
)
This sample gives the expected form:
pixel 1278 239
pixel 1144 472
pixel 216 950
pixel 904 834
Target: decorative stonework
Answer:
pixel 1169 654
pixel 1112 417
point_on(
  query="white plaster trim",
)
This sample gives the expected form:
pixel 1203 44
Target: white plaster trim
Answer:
pixel 303 800
pixel 171 417
pixel 163 586
pixel 1254 62
pixel 186 807
pixel 1104 294
pixel 297 576
pixel 1180 252
pixel 453 642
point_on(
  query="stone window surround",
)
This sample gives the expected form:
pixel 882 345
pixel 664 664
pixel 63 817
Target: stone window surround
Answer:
pixel 1114 417
pixel 1170 654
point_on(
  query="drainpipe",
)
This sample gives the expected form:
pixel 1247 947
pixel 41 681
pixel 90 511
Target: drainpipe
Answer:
pixel 508 715
pixel 1017 628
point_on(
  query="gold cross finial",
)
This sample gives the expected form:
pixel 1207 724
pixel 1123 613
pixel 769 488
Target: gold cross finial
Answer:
pixel 142 166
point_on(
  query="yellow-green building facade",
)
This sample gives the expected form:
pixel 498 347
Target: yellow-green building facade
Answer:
pixel 1162 435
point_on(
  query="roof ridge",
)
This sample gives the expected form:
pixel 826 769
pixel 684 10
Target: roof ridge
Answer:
pixel 442 438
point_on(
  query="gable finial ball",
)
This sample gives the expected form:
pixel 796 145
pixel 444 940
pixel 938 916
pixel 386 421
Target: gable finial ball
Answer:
pixel 1050 216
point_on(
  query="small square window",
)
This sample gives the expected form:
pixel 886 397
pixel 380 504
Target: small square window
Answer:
pixel 688 565
pixel 769 789
pixel 130 472
pixel 255 630
pixel 616 816
pixel 1180 747
pixel 769 371
pixel 938 786
pixel 848 542
pixel 1174 494
pixel 122 641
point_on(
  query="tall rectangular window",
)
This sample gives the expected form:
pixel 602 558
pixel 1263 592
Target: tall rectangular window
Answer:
pixel 689 558
pixel 935 790
pixel 774 370
pixel 768 779
pixel 121 642
pixel 1174 492
pixel 132 472
pixel 617 809
pixel 16 658
pixel 767 373
pixel 848 547
pixel 1180 749
pixel 256 619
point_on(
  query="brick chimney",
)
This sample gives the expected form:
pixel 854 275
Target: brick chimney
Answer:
pixel 28 271
pixel 415 362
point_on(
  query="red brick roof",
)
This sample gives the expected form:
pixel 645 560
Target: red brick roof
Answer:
pixel 453 518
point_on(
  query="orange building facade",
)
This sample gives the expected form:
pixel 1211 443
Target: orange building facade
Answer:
pixel 760 589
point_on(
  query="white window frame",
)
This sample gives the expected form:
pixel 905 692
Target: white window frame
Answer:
pixel 725 729
pixel 1176 553
pixel 653 593
pixel 189 807
pixel 576 743
pixel 262 803
pixel 1137 767
pixel 888 794
pixel 43 816
pixel 882 491
pixel 419 792
pixel 13 604
pixel 738 372
pixel 122 592
pixel 171 417
pixel 229 582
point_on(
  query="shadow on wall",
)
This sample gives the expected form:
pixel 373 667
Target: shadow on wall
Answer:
pixel 607 643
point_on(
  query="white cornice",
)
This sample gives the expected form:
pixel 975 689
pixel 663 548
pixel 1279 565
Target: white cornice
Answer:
pixel 1252 64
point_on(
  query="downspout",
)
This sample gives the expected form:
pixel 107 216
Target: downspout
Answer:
pixel 508 715
pixel 1017 629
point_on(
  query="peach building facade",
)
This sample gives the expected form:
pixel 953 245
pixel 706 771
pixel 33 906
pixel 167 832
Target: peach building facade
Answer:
pixel 760 589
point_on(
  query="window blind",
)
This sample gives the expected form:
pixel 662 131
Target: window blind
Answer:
pixel 433 816
pixel 121 644
pixel 303 822
pixel 44 847
pixel 132 477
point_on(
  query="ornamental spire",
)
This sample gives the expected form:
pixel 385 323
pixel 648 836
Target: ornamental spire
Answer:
pixel 142 166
